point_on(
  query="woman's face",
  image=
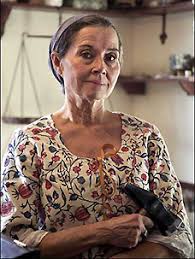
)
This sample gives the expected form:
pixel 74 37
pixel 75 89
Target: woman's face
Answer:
pixel 91 66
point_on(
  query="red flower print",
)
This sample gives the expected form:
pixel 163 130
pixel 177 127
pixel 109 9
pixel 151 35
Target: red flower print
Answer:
pixel 51 132
pixel 146 131
pixel 6 208
pixel 43 155
pixel 134 161
pixel 94 194
pixel 153 166
pixel 55 158
pixel 125 149
pixel 82 214
pixel 25 191
pixel 123 132
pixel 94 166
pixel 36 131
pixel 144 176
pixel 76 169
pixel 39 163
pixel 118 198
pixel 21 147
pixel 147 125
pixel 48 184
pixel 36 138
pixel 117 159
pixel 32 152
pixel 36 174
pixel 111 171
pixel 153 186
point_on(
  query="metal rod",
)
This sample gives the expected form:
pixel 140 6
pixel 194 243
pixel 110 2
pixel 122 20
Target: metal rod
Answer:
pixel 13 79
pixel 22 80
pixel 38 36
pixel 164 22
pixel 60 18
pixel 33 82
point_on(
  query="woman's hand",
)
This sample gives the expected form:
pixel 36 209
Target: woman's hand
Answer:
pixel 123 231
pixel 127 230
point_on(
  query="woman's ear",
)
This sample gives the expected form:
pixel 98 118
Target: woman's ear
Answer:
pixel 57 64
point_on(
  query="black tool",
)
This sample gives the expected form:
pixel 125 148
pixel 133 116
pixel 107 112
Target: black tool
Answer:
pixel 165 220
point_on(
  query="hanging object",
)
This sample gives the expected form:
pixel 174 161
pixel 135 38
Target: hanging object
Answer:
pixel 22 56
pixel 163 35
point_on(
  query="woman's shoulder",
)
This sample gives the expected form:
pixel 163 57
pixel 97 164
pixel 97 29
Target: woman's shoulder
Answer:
pixel 40 124
pixel 135 122
pixel 43 124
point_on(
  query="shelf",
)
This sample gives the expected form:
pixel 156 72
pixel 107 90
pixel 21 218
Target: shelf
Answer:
pixel 184 6
pixel 188 86
pixel 132 85
pixel 18 120
pixel 177 7
pixel 137 85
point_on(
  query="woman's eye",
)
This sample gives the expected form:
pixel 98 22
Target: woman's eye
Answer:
pixel 87 55
pixel 111 57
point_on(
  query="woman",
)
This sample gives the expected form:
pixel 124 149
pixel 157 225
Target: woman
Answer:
pixel 62 173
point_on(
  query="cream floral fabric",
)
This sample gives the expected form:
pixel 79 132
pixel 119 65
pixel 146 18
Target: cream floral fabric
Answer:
pixel 45 188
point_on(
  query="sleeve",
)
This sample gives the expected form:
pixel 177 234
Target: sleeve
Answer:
pixel 165 184
pixel 21 210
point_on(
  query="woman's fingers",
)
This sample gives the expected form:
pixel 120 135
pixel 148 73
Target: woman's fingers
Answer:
pixel 128 230
pixel 148 222
pixel 134 237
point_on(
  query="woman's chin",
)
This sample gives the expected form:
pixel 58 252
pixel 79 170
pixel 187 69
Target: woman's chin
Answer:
pixel 95 96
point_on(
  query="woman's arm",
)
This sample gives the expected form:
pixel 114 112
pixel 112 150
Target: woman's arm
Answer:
pixel 20 194
pixel 73 241
pixel 123 231
pixel 165 184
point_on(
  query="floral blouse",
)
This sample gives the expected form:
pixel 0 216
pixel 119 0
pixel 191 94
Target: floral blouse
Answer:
pixel 45 188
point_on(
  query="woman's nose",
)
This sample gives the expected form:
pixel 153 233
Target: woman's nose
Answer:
pixel 99 66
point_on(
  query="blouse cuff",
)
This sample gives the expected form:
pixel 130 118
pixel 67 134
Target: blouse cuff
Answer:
pixel 32 238
pixel 175 242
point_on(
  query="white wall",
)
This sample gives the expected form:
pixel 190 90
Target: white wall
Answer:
pixel 166 105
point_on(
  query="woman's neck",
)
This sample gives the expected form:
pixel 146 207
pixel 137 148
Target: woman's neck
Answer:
pixel 84 112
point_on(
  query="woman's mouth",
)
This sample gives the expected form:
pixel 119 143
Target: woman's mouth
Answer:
pixel 96 82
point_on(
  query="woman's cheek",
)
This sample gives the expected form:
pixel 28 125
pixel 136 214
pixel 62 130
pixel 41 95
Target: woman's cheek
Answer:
pixel 115 74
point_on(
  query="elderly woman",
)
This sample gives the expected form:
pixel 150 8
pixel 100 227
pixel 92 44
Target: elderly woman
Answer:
pixel 62 173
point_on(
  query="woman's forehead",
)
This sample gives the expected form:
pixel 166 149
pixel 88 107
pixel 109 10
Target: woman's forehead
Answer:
pixel 96 35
